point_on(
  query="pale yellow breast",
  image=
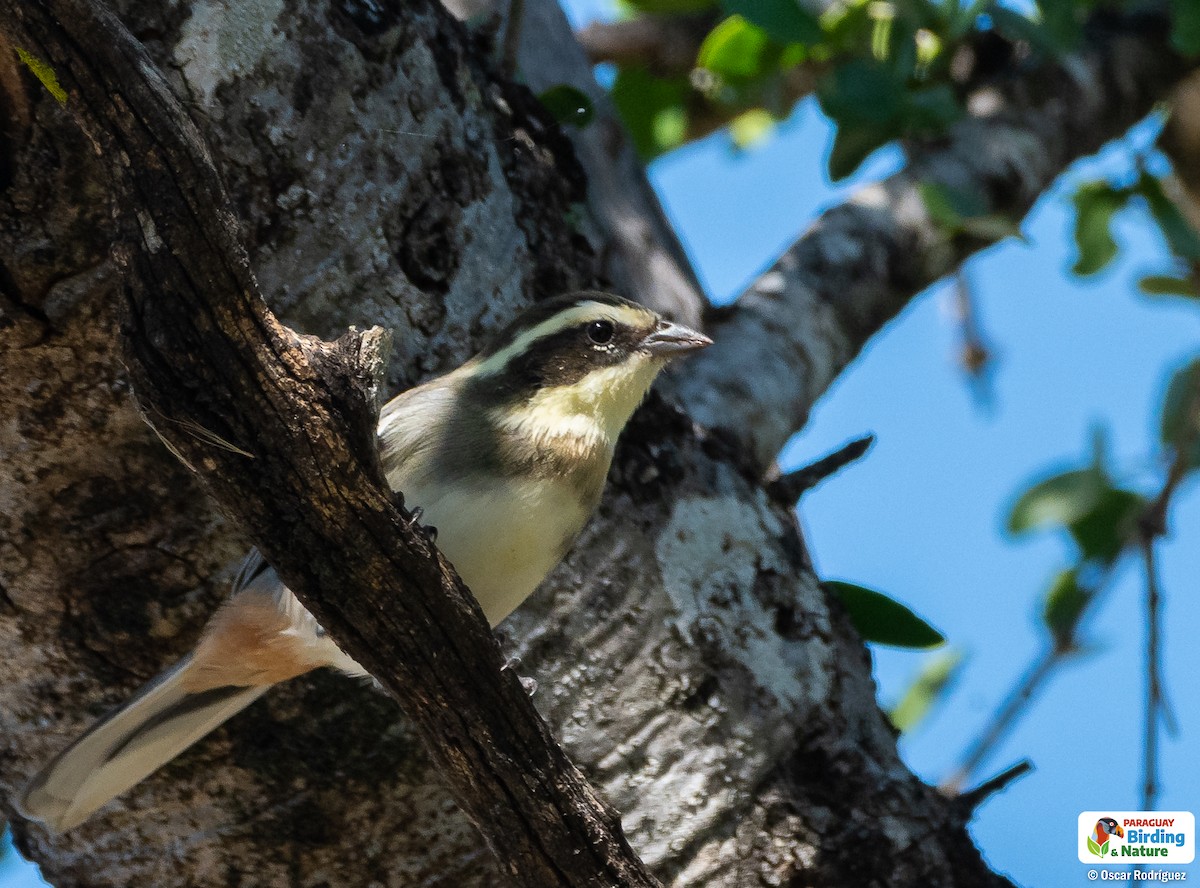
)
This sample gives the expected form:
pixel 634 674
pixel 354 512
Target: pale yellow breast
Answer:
pixel 503 538
pixel 503 535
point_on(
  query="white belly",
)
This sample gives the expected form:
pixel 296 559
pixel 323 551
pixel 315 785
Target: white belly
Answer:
pixel 505 538
pixel 502 539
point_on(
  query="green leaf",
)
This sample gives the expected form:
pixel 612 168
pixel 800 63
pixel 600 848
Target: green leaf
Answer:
pixel 867 100
pixel 941 205
pixel 652 108
pixel 670 128
pixel 1095 204
pixel 735 49
pixel 1185 26
pixel 1060 500
pixel 1021 29
pixel 568 105
pixel 1064 605
pixel 785 20
pixel 751 127
pixel 1108 526
pixel 847 26
pixel 862 91
pixel 1181 237
pixel 1100 518
pixel 1166 285
pixel 1094 848
pixel 852 144
pixel 964 210
pixel 993 227
pixel 952 206
pixel 669 7
pixel 929 687
pixel 1180 419
pixel 931 109
pixel 882 620
pixel 884 17
pixel 1061 21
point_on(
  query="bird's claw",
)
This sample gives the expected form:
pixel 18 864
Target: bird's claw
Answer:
pixel 529 684
pixel 414 521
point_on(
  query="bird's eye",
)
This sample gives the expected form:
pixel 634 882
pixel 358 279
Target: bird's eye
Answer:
pixel 600 332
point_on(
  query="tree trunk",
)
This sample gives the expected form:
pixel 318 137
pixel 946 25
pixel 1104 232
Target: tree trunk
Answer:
pixel 385 172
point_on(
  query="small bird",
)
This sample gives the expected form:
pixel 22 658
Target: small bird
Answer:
pixel 506 456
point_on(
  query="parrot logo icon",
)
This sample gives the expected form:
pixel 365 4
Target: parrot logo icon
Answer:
pixel 1106 827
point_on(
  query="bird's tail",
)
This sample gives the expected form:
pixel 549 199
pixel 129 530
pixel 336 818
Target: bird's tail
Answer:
pixel 162 720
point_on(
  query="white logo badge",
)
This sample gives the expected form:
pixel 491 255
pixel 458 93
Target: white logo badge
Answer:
pixel 1125 837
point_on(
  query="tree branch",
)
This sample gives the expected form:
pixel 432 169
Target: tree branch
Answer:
pixel 807 317
pixel 302 473
pixel 666 44
pixel 969 801
pixel 1015 704
pixel 643 256
pixel 1155 704
pixel 1152 526
pixel 790 487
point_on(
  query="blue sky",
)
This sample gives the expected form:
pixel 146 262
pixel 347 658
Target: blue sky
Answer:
pixel 921 516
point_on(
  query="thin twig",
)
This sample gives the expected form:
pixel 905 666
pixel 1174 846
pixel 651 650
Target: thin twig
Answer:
pixel 1016 701
pixel 973 798
pixel 1154 520
pixel 977 359
pixel 790 487
pixel 1152 526
pixel 1154 684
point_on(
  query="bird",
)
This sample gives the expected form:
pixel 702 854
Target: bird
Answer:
pixel 1105 828
pixel 506 456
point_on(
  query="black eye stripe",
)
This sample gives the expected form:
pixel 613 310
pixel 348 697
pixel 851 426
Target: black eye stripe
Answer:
pixel 562 357
pixel 548 308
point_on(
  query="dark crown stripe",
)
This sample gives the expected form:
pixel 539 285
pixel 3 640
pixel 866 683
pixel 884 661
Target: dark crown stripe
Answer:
pixel 548 308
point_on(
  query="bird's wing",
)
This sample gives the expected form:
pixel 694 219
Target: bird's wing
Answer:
pixel 408 427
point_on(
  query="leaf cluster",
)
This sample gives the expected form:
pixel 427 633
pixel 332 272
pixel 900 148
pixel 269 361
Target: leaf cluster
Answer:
pixel 1101 520
pixel 882 70
pixel 888 70
pixel 1098 202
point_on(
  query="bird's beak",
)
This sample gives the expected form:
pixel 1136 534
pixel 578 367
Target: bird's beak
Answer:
pixel 669 339
pixel 1118 831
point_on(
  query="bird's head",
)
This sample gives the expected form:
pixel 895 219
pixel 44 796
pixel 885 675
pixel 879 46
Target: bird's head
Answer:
pixel 1108 826
pixel 576 366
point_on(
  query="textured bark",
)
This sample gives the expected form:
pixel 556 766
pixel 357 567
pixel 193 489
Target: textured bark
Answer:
pixel 1180 139
pixel 223 384
pixel 685 654
pixel 638 250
